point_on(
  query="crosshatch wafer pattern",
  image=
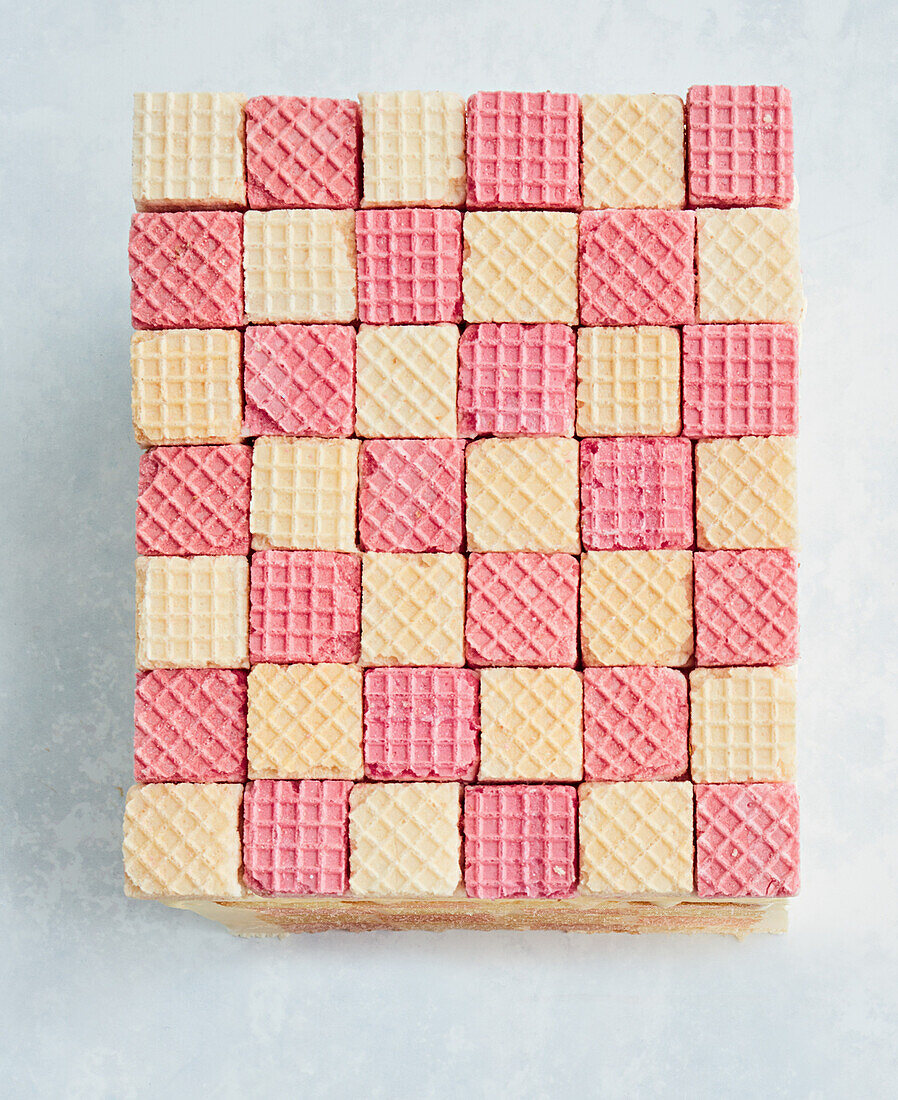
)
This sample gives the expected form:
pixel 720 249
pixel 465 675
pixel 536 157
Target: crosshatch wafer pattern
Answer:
pixel 466 514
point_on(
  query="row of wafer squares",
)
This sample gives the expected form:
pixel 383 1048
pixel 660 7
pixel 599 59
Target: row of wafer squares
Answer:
pixel 608 608
pixel 219 269
pixel 732 145
pixel 386 840
pixel 395 381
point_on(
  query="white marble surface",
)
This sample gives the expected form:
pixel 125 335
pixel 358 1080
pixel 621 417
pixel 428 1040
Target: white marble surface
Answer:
pixel 107 998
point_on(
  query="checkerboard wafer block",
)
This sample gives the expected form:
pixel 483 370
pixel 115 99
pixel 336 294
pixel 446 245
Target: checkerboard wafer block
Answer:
pixel 520 841
pixel 746 840
pixel 633 151
pixel 413 149
pixel 636 838
pixel 421 723
pixel 192 612
pixel 302 152
pixel 295 836
pixel 742 726
pixel 404 839
pixel 304 722
pixel 183 839
pixel 190 726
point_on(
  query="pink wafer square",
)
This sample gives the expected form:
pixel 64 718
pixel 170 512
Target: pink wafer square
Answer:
pixel 636 494
pixel 635 724
pixel 745 607
pixel 409 266
pixel 186 269
pixel 746 840
pixel 194 500
pixel 637 267
pixel 302 152
pixel 516 380
pixel 421 723
pixel 305 606
pixel 520 841
pixel 523 150
pixel 411 495
pixel 190 726
pixel 740 380
pixel 522 609
pixel 296 836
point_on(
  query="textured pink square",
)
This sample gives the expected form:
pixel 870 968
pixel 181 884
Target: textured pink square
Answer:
pixel 302 152
pixel 299 380
pixel 635 724
pixel 296 836
pixel 740 380
pixel 636 494
pixel 190 726
pixel 194 500
pixel 186 269
pixel 522 609
pixel 516 379
pixel 305 606
pixel 409 266
pixel 421 723
pixel 740 145
pixel 745 607
pixel 520 841
pixel 746 840
pixel 637 267
pixel 523 150
pixel 411 495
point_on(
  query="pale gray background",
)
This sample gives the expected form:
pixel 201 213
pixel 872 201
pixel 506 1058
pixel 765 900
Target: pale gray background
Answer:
pixel 104 997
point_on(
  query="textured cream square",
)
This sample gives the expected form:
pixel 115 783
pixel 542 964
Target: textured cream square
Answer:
pixel 636 607
pixel 406 381
pixel 628 381
pixel 299 265
pixel 413 149
pixel 523 494
pixel 193 612
pixel 636 838
pixel 413 609
pixel 183 839
pixel 520 265
pixel 186 386
pixel 188 150
pixel 405 839
pixel 304 493
pixel 633 151
pixel 304 722
pixel 748 266
pixel 531 724
pixel 742 725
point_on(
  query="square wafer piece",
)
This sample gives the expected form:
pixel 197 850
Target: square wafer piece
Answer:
pixel 520 841
pixel 302 152
pixel 636 607
pixel 304 722
pixel 190 726
pixel 421 723
pixel 633 151
pixel 183 839
pixel 300 265
pixel 636 494
pixel 413 149
pixel 305 605
pixel 192 612
pixel 742 727
pixel 299 380
pixel 404 839
pixel 636 838
pixel 746 840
